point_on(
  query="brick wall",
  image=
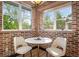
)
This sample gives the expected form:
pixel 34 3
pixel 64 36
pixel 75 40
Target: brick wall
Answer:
pixel 6 38
pixel 1 51
pixel 72 36
pixel 77 33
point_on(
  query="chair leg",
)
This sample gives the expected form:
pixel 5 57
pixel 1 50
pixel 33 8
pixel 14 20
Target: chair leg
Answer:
pixel 47 54
pixel 23 55
pixel 31 53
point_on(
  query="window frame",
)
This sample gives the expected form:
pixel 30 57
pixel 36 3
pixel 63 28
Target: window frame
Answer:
pixel 20 7
pixel 55 27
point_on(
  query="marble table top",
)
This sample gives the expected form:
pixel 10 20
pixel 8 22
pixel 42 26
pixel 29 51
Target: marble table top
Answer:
pixel 38 40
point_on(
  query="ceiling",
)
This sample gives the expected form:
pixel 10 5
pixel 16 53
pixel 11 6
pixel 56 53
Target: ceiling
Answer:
pixel 44 5
pixel 32 4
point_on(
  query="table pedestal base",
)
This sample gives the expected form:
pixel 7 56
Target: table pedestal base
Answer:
pixel 38 47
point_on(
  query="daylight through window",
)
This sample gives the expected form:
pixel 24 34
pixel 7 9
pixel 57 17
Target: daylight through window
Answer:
pixel 16 16
pixel 59 18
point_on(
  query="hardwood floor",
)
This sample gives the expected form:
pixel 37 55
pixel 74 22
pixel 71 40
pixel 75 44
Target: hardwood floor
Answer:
pixel 34 54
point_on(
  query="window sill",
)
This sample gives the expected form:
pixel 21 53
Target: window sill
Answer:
pixel 18 30
pixel 55 30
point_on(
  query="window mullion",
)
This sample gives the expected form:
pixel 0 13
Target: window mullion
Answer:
pixel 66 26
pixel 20 18
pixel 55 25
pixel 55 21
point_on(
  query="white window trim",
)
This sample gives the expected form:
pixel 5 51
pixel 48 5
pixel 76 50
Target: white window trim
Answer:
pixel 20 24
pixel 55 29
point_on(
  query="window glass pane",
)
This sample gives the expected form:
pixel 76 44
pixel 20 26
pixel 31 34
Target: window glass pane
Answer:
pixel 48 20
pixel 10 16
pixel 26 19
pixel 16 16
pixel 58 18
pixel 60 24
pixel 65 11
pixel 63 16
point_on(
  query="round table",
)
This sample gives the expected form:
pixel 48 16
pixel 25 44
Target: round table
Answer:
pixel 38 41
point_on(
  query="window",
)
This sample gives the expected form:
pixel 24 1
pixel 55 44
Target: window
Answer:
pixel 59 18
pixel 48 20
pixel 16 16
pixel 26 20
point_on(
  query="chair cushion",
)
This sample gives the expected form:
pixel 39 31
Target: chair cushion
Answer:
pixel 23 49
pixel 55 52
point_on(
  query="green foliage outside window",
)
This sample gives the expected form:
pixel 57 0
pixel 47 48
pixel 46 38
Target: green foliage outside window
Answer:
pixel 9 23
pixel 11 17
pixel 62 18
pixel 60 23
pixel 26 19
pixel 26 26
pixel 48 24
